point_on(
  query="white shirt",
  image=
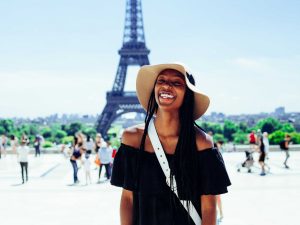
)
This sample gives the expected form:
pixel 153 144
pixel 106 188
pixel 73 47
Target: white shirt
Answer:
pixel 90 145
pixel 23 152
pixel 266 143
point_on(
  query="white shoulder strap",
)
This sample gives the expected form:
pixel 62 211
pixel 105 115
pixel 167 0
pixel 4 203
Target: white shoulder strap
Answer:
pixel 162 159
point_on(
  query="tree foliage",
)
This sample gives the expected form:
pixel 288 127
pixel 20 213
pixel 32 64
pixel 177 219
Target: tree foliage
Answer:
pixel 240 138
pixel 269 125
pixel 73 128
pixel 276 137
pixel 229 129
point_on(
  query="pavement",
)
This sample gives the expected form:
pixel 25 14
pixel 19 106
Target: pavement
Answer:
pixel 49 198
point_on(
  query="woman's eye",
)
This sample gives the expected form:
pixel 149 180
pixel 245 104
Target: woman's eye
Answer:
pixel 161 81
pixel 177 84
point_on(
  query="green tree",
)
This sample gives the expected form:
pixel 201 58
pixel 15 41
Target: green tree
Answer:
pixel 216 128
pixel 203 125
pixel 24 129
pixel 73 128
pixel 213 127
pixel 219 138
pixel 33 129
pixel 243 127
pixel 276 137
pixel 269 125
pixel 2 131
pixel 59 134
pixel 7 125
pixel 46 132
pixel 240 138
pixel 295 137
pixel 90 131
pixel 67 140
pixel 47 144
pixel 288 128
pixel 229 129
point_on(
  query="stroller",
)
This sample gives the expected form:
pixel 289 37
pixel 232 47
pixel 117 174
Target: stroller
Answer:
pixel 248 163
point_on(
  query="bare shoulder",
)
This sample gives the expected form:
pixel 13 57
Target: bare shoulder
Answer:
pixel 132 136
pixel 203 140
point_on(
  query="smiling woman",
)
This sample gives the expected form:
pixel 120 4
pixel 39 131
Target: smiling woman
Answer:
pixel 169 89
pixel 169 147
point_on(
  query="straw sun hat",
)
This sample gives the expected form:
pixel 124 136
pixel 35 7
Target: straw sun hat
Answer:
pixel 147 76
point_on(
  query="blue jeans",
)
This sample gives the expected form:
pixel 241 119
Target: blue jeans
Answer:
pixel 75 170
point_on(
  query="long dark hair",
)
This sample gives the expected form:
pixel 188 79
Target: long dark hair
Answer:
pixel 186 149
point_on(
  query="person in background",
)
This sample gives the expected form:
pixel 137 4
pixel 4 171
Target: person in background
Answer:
pixel 3 144
pixel 105 156
pixel 98 140
pixel 37 146
pixel 111 151
pixel 259 136
pixel 266 144
pixel 76 155
pixel 87 165
pixel 22 152
pixel 80 138
pixel 252 141
pixel 262 156
pixel 0 147
pixel 13 143
pixel 284 145
pixel 90 145
pixel 66 150
pixel 114 152
pixel 24 137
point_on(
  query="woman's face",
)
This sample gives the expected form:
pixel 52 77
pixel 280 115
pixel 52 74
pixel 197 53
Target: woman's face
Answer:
pixel 170 89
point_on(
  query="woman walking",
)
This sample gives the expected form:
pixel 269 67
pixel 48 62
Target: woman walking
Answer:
pixel 22 152
pixel 168 169
pixel 76 155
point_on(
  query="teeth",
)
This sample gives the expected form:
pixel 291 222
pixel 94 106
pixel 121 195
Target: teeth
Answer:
pixel 164 95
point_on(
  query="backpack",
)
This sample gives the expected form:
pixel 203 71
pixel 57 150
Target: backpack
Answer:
pixel 282 145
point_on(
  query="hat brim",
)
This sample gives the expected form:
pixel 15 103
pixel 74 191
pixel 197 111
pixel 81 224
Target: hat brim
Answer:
pixel 147 76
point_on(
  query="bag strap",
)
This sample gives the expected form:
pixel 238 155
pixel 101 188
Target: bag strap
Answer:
pixel 162 159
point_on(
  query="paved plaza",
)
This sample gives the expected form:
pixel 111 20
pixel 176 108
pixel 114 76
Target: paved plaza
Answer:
pixel 49 199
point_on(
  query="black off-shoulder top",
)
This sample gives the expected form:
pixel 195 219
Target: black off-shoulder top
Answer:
pixel 153 201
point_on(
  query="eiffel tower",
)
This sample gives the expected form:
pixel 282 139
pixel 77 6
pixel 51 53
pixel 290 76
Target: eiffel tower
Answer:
pixel 133 52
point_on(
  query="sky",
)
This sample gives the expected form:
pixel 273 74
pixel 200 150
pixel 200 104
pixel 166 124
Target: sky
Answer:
pixel 61 56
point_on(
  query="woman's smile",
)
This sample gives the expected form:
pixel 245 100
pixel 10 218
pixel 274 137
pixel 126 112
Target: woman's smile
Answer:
pixel 166 97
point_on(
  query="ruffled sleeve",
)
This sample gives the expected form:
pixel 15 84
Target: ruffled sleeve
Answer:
pixel 124 168
pixel 213 178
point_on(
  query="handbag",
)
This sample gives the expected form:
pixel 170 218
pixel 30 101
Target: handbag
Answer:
pixel 97 160
pixel 162 159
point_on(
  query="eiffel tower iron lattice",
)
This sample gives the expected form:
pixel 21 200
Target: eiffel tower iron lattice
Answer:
pixel 133 52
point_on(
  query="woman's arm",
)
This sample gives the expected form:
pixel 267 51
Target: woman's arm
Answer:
pixel 126 207
pixel 208 209
pixel 131 136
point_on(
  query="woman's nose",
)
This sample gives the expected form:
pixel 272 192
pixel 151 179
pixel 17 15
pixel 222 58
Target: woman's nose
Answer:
pixel 167 84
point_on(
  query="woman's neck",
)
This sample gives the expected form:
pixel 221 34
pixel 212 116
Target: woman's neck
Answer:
pixel 167 123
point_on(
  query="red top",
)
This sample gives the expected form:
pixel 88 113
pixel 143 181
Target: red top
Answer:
pixel 252 138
